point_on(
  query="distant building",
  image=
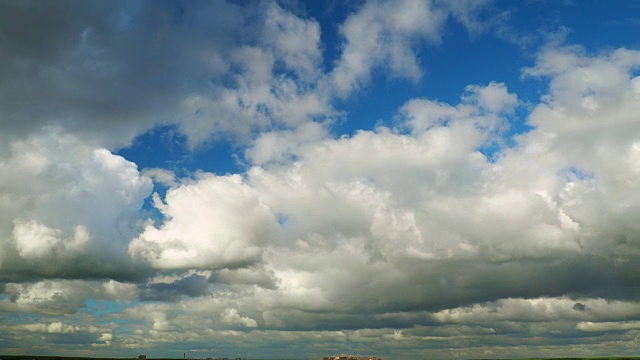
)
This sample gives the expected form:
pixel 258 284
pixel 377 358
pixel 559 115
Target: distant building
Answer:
pixel 350 357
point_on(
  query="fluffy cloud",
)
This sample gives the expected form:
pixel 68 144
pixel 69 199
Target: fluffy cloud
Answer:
pixel 347 233
pixel 56 297
pixel 443 229
pixel 232 317
pixel 62 333
pixel 588 119
pixel 269 84
pixel 540 309
pixel 216 222
pixel 67 202
pixel 481 108
pixel 384 33
pixel 608 326
pixel 37 241
pixel 53 328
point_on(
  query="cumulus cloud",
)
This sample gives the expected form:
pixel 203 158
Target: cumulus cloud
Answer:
pixel 53 328
pixel 589 326
pixel 216 222
pixel 345 232
pixel 384 33
pixel 432 230
pixel 270 83
pixel 541 309
pixel 161 176
pixel 36 241
pixel 55 297
pixel 62 333
pixel 589 113
pixel 232 317
pixel 67 202
pixel 483 107
pixel 103 340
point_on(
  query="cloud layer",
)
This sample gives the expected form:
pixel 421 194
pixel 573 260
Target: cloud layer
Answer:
pixel 449 229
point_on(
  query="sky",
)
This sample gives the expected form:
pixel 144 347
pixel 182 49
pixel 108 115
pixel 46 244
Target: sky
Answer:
pixel 280 179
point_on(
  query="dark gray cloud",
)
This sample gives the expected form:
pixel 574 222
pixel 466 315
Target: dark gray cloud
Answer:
pixel 110 71
pixel 246 276
pixel 579 307
pixel 82 267
pixel 107 69
pixel 191 286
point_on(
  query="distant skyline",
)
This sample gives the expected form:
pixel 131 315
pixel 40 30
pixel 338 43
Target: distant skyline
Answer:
pixel 280 179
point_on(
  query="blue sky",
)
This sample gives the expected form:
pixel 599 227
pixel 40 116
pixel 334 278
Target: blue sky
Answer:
pixel 406 179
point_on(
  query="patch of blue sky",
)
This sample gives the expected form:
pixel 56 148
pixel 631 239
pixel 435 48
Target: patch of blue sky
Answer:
pixel 25 318
pixel 164 147
pixel 282 219
pixel 329 15
pixel 602 25
pixel 448 69
pixel 102 307
pixel 500 52
pixel 104 312
pixel 575 173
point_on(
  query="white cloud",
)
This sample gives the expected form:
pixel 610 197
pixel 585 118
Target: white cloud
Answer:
pixel 37 241
pixel 382 34
pixel 65 330
pixel 493 98
pixel 103 340
pixel 482 107
pixel 584 88
pixel 391 209
pixel 161 176
pixel 232 317
pixel 270 84
pixel 214 223
pixel 105 337
pixel 589 120
pixel 282 146
pixel 589 326
pixel 52 328
pixel 541 309
pixel 295 41
pixel 67 200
